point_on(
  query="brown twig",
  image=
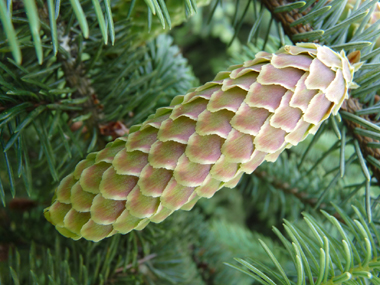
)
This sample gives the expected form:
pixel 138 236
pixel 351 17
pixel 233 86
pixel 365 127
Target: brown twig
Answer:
pixel 140 261
pixel 286 188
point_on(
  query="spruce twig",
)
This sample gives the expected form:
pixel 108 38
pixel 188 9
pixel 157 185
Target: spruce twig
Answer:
pixel 77 79
pixel 140 261
pixel 286 188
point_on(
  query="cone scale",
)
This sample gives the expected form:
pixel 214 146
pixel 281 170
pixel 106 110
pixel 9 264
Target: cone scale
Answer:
pixel 205 140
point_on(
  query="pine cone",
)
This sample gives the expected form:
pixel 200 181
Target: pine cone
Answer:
pixel 204 141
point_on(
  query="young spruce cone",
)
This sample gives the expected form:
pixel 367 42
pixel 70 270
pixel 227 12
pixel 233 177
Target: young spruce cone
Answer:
pixel 204 141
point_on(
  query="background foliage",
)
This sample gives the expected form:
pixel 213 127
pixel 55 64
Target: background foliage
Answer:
pixel 75 75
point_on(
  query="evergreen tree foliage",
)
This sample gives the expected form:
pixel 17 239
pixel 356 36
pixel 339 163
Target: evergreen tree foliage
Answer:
pixel 75 75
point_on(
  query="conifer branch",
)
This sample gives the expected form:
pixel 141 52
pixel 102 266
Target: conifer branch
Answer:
pixel 140 261
pixel 75 74
pixel 76 79
pixel 350 259
pixel 302 196
pixel 285 187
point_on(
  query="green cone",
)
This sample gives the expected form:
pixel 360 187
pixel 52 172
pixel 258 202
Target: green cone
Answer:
pixel 204 141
